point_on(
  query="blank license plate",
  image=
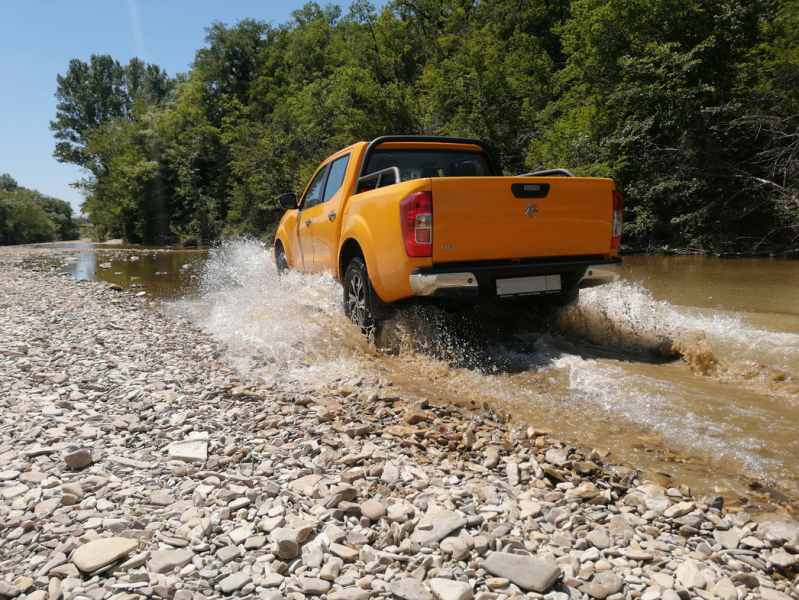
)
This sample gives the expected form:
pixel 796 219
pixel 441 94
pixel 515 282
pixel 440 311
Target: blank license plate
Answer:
pixel 528 285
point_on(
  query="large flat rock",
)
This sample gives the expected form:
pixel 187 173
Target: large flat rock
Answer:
pixel 527 572
pixel 99 553
pixel 192 450
pixel 443 523
pixel 164 561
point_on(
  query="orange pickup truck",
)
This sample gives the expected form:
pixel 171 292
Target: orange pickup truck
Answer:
pixel 433 217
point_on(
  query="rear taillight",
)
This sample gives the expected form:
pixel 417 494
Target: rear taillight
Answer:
pixel 416 218
pixel 618 219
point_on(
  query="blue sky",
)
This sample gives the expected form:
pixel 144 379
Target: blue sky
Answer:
pixel 39 37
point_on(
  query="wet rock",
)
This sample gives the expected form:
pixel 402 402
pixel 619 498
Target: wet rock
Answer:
pixel 527 572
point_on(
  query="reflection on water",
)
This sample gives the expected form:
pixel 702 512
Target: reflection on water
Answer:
pixel 690 367
pixel 166 273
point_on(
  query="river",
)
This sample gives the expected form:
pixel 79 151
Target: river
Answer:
pixel 688 368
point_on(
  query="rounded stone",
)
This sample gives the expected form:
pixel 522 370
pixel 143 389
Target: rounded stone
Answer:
pixel 373 510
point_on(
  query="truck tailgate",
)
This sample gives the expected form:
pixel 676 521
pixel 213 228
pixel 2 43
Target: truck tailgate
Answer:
pixel 489 218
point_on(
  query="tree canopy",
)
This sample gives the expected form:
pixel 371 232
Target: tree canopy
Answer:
pixel 689 105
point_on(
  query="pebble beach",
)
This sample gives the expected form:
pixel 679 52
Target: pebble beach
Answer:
pixel 135 462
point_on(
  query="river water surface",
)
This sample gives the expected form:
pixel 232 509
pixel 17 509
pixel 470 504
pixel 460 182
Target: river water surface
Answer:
pixel 689 367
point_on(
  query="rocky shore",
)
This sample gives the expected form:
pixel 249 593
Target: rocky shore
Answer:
pixel 135 464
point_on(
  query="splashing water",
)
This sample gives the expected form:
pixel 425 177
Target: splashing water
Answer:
pixel 272 323
pixel 601 371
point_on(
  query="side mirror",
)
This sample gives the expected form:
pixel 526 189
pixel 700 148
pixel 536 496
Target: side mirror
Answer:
pixel 288 201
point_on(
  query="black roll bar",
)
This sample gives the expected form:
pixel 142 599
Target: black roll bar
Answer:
pixel 549 172
pixel 386 139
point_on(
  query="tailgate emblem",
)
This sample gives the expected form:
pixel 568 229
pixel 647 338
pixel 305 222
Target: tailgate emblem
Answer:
pixel 531 210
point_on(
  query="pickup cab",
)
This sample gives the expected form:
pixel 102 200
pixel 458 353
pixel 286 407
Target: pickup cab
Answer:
pixel 432 217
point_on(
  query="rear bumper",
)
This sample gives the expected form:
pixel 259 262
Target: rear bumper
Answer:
pixel 479 280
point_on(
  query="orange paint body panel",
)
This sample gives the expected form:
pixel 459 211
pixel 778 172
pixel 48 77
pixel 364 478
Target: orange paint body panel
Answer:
pixel 479 218
pixel 373 221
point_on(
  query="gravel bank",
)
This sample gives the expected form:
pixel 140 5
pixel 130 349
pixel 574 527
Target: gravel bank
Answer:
pixel 133 464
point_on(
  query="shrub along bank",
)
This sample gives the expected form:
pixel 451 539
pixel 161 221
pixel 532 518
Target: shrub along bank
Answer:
pixel 26 216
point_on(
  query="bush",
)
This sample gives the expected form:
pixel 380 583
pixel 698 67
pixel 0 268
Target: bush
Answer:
pixel 23 220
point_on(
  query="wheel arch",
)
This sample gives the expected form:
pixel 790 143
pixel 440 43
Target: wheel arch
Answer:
pixel 349 250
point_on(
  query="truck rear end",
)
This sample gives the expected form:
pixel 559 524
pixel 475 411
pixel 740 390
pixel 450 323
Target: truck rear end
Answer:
pixel 511 236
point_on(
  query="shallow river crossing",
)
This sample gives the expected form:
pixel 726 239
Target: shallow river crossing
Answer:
pixel 689 367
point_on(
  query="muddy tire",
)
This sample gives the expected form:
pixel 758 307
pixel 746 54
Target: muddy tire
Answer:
pixel 281 262
pixel 362 305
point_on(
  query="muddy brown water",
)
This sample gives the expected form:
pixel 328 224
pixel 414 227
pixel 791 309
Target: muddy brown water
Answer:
pixel 163 273
pixel 688 368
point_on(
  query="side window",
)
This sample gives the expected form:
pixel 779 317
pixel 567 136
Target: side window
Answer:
pixel 338 169
pixel 313 194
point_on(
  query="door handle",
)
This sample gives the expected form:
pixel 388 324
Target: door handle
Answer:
pixel 331 217
pixel 308 223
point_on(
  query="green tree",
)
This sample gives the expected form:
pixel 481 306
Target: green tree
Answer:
pixel 8 183
pixel 651 95
pixel 102 121
pixel 23 220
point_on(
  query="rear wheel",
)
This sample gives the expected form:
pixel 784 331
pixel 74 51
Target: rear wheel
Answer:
pixel 281 262
pixel 362 305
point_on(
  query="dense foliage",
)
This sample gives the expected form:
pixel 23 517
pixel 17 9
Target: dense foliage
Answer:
pixel 690 105
pixel 26 216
